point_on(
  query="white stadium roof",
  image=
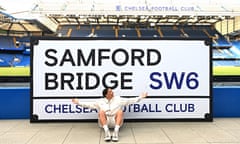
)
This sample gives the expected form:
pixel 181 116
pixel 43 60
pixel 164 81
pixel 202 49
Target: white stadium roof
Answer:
pixel 52 13
pixel 138 7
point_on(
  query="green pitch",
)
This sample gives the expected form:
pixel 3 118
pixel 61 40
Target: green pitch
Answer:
pixel 14 71
pixel 226 70
pixel 25 71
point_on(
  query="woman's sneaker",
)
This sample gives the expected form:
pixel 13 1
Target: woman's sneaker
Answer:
pixel 107 136
pixel 115 136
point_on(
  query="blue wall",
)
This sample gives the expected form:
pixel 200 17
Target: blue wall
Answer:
pixel 15 102
pixel 226 101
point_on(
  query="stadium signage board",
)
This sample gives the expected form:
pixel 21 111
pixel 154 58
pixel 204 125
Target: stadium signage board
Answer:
pixel 176 73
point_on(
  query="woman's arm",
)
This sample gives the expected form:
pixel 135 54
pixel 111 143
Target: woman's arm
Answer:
pixel 91 105
pixel 127 101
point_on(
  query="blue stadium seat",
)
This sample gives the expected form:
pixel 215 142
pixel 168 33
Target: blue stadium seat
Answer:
pixel 105 33
pixel 7 44
pixel 80 33
pixel 127 32
pixel 25 61
pixel 3 63
pixel 226 63
pixel 27 51
pixel 170 31
pixel 236 44
pixel 149 33
pixel 7 59
pixel 195 33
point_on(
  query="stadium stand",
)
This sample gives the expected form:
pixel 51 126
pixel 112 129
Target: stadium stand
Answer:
pixel 3 62
pixel 80 31
pixel 166 31
pixel 127 32
pixel 105 31
pixel 226 63
pixel 194 31
pixel 10 43
pixel 15 33
pixel 15 49
pixel 149 33
pixel 171 31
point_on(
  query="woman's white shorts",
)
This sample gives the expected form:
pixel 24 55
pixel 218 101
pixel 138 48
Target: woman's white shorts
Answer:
pixel 110 122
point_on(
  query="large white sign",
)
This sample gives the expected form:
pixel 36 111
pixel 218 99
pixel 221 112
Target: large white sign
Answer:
pixel 64 68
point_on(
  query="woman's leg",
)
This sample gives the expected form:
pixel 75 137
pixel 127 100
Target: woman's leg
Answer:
pixel 102 118
pixel 103 122
pixel 119 118
pixel 118 123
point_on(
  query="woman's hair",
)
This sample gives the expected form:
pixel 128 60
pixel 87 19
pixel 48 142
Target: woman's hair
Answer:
pixel 104 93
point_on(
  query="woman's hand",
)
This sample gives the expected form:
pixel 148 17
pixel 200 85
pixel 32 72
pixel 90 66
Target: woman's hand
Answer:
pixel 144 95
pixel 75 101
